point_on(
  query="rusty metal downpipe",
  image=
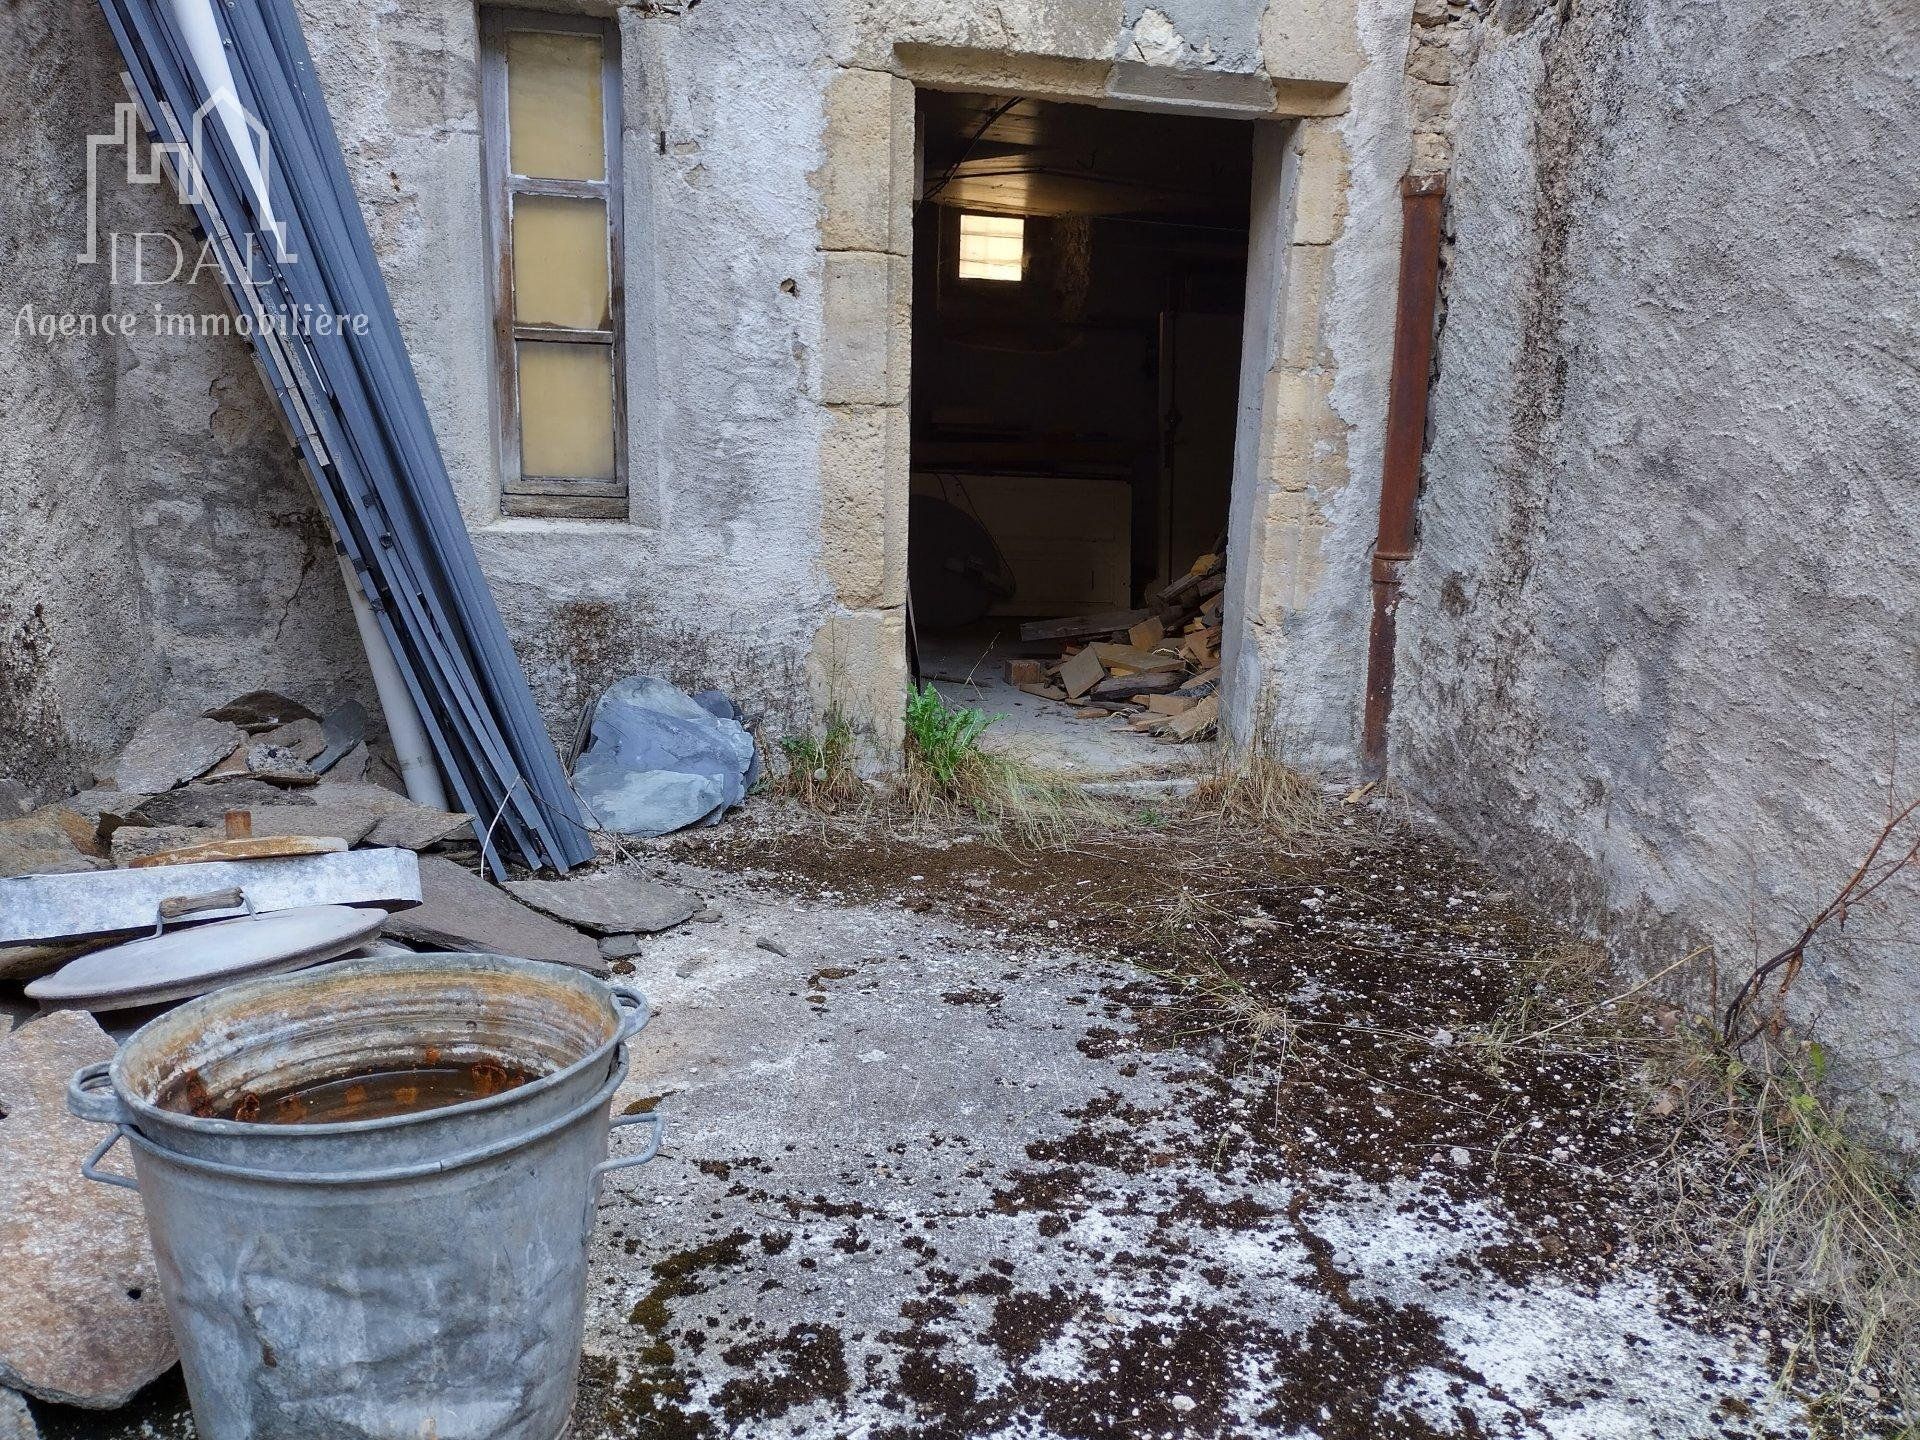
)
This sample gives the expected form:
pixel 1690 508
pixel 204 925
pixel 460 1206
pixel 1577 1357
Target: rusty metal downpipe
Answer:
pixel 1422 199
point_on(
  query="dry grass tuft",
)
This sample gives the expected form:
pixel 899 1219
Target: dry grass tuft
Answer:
pixel 1828 1230
pixel 820 771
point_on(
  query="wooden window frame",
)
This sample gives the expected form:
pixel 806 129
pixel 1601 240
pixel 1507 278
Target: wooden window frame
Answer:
pixel 550 496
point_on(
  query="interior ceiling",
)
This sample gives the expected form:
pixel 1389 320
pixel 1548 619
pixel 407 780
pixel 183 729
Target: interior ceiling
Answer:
pixel 1037 157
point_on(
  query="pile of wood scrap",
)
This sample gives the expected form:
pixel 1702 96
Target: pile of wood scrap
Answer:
pixel 1159 664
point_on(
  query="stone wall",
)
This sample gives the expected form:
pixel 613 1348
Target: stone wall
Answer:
pixel 1663 630
pixel 77 666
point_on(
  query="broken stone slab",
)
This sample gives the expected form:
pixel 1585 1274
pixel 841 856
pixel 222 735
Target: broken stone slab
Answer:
pixel 460 911
pixel 27 962
pixel 257 760
pixel 619 947
pixel 609 902
pixel 304 738
pixel 136 842
pixel 81 1320
pixel 260 710
pixel 208 804
pixel 418 826
pixel 41 908
pixel 16 1421
pixel 171 748
pixel 344 730
pixel 47 842
pixel 351 823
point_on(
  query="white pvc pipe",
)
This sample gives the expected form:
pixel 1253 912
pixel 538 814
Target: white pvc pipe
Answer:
pixel 418 769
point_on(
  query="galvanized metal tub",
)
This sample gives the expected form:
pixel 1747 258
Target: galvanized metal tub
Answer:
pixel 418 1275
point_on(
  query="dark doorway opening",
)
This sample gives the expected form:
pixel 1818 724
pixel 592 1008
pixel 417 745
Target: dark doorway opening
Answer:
pixel 1079 287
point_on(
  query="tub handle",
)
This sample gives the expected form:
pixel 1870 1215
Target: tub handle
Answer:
pixel 634 1010
pixel 90 1095
pixel 627 1162
pixel 106 1177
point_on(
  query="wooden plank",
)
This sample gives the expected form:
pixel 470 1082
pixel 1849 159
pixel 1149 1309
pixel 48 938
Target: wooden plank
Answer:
pixel 1116 687
pixel 1170 704
pixel 1045 692
pixel 1025 672
pixel 1081 672
pixel 1147 634
pixel 1199 718
pixel 1141 662
pixel 1082 627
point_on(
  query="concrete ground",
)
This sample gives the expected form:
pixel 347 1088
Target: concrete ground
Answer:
pixel 941 1162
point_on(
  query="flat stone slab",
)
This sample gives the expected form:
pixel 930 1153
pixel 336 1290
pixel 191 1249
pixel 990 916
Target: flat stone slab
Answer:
pixel 208 804
pixel 609 902
pixel 81 1320
pixel 349 822
pixel 170 748
pixel 16 1421
pixel 418 826
pixel 460 911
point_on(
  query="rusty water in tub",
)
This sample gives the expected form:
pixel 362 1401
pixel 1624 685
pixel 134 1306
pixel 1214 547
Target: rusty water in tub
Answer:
pixel 363 1095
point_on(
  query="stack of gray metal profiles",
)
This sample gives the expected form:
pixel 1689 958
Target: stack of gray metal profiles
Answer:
pixel 351 400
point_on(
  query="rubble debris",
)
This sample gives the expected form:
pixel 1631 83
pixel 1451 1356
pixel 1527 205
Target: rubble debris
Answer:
pixel 258 760
pixel 1161 663
pixel 304 738
pixel 171 748
pixel 350 821
pixel 40 908
pixel 415 827
pixel 13 798
pixel 458 910
pixel 608 902
pixel 258 711
pixel 344 728
pixel 81 1320
pixel 136 842
pixel 208 804
pixel 48 842
pixel 658 760
pixel 16 1421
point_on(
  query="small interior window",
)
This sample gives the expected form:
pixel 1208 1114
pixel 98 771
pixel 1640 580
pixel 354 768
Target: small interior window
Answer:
pixel 992 247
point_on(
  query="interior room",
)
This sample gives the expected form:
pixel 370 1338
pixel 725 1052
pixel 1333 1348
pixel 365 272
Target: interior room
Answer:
pixel 1079 277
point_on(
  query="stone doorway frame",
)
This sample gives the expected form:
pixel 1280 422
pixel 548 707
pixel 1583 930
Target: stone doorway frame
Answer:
pixel 1290 446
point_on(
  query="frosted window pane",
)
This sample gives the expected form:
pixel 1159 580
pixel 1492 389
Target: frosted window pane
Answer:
pixel 560 262
pixel 566 410
pixel 554 123
pixel 992 247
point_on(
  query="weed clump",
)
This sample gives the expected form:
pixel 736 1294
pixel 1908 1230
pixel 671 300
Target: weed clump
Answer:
pixel 820 770
pixel 949 773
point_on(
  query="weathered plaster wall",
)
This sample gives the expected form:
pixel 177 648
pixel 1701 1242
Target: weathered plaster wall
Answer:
pixel 768 165
pixel 1663 628
pixel 76 666
pixel 767 153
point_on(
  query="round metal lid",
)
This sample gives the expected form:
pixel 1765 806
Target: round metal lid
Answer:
pixel 182 963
